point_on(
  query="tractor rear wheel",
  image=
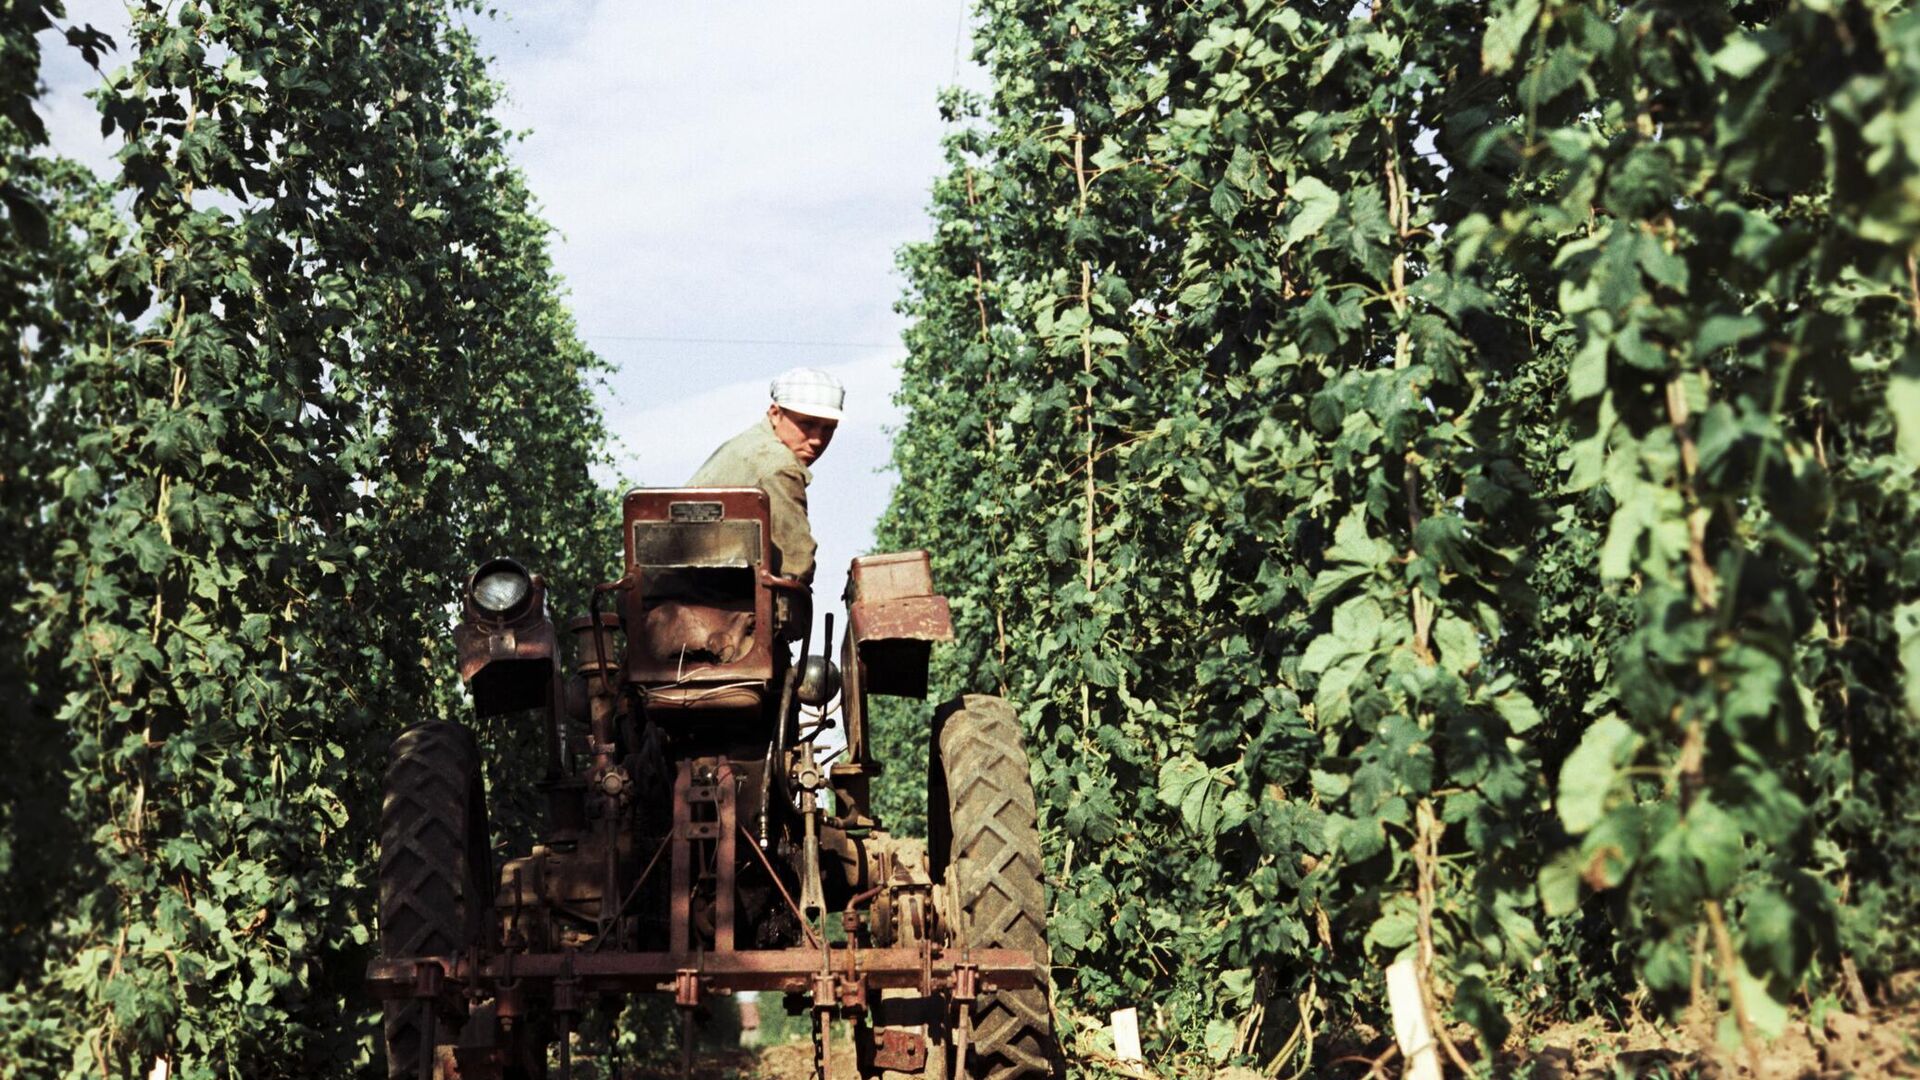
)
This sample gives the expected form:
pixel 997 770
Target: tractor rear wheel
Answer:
pixel 985 848
pixel 436 870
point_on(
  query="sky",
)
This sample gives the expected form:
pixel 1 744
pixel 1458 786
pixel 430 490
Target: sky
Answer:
pixel 729 182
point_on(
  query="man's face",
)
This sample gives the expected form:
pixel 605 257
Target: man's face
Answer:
pixel 807 436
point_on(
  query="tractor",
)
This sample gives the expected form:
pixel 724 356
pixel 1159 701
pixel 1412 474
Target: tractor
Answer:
pixel 700 838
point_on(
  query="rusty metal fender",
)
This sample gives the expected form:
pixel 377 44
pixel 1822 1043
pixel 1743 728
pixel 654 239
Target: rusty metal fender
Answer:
pixel 893 618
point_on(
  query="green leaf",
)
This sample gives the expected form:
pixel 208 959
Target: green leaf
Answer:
pixel 1397 925
pixel 1518 710
pixel 1560 883
pixel 1741 56
pixel 1588 776
pixel 1330 785
pixel 1906 623
pixel 1587 375
pixel 150 551
pixel 1352 544
pixel 1903 401
pixel 1357 623
pixel 1768 1014
pixel 1238 985
pixel 1187 783
pixel 1220 1038
pixel 1459 643
pixel 1362 839
pixel 1506 30
pixel 1714 839
pixel 1720 331
pixel 1314 205
pixel 1475 1002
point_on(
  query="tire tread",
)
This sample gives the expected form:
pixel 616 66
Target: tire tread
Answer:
pixel 428 881
pixel 994 847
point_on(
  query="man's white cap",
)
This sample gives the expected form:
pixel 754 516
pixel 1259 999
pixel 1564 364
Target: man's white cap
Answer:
pixel 810 392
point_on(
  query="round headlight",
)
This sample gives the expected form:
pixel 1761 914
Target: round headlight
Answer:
pixel 499 591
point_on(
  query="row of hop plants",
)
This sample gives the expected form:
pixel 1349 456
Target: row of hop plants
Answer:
pixel 1440 480
pixel 275 382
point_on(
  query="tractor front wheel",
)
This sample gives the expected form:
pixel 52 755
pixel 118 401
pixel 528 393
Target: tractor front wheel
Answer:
pixel 985 849
pixel 436 871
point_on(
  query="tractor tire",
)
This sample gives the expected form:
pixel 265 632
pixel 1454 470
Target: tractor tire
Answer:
pixel 436 869
pixel 985 849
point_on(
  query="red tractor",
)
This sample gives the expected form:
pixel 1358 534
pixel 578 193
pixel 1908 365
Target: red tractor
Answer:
pixel 698 838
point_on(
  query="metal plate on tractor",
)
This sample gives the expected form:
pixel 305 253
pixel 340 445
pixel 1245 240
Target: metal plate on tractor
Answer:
pixel 689 544
pixel 696 511
pixel 905 1051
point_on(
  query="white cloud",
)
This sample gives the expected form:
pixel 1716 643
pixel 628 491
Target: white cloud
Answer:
pixel 731 166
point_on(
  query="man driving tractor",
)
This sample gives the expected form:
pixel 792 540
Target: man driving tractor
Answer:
pixel 698 839
pixel 774 454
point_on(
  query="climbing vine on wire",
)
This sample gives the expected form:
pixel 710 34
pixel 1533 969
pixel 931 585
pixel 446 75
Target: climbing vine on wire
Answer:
pixel 294 368
pixel 1439 479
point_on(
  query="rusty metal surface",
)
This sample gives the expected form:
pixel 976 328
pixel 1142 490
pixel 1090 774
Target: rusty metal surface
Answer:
pixel 724 862
pixel 511 663
pixel 565 926
pixel 893 642
pixel 895 1048
pixel 910 618
pixel 698 842
pixel 594 654
pixel 710 561
pixel 709 545
pixel 685 510
pixel 891 598
pixel 891 576
pixel 680 913
pixel 790 970
pixel 548 899
pixel 480 642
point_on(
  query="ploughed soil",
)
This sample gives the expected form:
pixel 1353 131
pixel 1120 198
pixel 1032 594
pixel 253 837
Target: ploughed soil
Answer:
pixel 1884 1042
pixel 794 1061
pixel 789 1061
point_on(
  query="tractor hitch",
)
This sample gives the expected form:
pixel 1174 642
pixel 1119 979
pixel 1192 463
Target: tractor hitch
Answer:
pixel 937 969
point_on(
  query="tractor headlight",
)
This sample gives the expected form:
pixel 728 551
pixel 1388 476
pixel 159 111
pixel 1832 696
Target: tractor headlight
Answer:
pixel 500 587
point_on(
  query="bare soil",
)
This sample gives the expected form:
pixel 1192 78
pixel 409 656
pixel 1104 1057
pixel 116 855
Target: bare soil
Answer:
pixel 788 1061
pixel 1883 1043
pixel 1886 1044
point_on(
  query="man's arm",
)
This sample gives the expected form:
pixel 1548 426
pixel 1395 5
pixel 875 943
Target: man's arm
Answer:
pixel 787 500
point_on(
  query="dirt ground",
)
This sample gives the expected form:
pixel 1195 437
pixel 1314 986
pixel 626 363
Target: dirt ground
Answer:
pixel 1885 1043
pixel 794 1061
pixel 790 1061
pixel 1843 1046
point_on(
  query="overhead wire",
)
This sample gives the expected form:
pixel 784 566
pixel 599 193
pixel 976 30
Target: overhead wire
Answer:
pixel 741 341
